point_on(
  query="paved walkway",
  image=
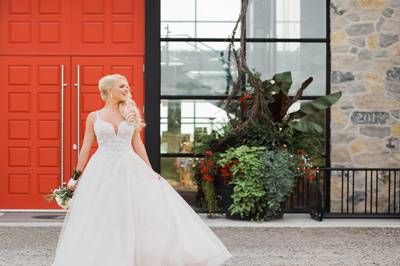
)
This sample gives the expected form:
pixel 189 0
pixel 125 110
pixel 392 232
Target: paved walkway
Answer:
pixel 289 220
pixel 30 239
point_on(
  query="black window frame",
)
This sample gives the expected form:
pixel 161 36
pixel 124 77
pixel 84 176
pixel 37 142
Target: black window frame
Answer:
pixel 153 95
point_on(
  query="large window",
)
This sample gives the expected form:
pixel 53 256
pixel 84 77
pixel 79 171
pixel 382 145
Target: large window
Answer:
pixel 197 68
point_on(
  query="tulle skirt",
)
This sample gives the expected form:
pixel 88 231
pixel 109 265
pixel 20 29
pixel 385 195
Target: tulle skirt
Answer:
pixel 121 214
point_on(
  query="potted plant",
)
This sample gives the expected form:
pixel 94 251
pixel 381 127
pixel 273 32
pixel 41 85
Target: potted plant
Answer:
pixel 280 168
pixel 257 181
pixel 268 116
pixel 244 191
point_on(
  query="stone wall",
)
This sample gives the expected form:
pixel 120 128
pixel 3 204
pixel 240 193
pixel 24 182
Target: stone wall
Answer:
pixel 365 123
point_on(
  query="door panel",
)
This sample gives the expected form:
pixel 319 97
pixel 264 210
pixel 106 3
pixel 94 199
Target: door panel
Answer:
pixel 31 149
pixel 112 27
pixel 76 27
pixel 35 27
pixel 91 69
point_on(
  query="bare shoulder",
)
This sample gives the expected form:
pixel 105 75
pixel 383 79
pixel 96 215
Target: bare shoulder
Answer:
pixel 91 117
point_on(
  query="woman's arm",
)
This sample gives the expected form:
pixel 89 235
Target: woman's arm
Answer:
pixel 87 142
pixel 139 147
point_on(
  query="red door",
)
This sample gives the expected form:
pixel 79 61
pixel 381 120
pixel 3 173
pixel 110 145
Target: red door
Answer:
pixel 52 54
pixel 35 121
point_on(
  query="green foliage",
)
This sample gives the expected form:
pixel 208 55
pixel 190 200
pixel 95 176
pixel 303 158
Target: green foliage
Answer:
pixel 262 179
pixel 302 119
pixel 302 129
pixel 283 82
pixel 320 103
pixel 210 196
pixel 207 141
pixel 64 194
pixel 259 135
pixel 278 176
pixel 248 160
pixel 303 125
pixel 248 194
pixel 246 169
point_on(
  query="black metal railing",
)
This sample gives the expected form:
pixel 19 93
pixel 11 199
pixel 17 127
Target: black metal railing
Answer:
pixel 355 193
pixel 299 199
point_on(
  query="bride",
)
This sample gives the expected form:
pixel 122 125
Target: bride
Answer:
pixel 123 213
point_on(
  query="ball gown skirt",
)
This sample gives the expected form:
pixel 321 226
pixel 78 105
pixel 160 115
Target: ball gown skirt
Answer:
pixel 122 214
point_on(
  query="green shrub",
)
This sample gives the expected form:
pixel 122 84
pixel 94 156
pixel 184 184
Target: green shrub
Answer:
pixel 248 191
pixel 280 169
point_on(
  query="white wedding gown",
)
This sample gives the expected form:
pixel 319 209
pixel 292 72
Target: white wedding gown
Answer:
pixel 121 214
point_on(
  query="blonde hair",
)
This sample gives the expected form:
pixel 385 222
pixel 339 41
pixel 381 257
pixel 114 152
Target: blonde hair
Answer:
pixel 130 107
pixel 125 108
pixel 107 82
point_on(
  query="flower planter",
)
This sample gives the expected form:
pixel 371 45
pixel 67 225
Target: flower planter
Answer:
pixel 279 214
pixel 227 191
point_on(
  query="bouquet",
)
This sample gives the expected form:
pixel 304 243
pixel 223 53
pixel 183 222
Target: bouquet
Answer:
pixel 63 195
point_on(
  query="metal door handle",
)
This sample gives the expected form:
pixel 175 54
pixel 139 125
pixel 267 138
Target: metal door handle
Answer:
pixel 78 92
pixel 62 85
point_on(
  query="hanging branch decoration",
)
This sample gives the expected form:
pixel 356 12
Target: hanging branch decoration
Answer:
pixel 270 99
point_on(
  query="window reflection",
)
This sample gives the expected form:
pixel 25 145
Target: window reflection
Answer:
pixel 179 172
pixel 265 18
pixel 196 68
pixel 198 18
pixel 185 122
pixel 286 19
pixel 308 60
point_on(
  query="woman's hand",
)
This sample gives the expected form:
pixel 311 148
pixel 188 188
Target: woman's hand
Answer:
pixel 72 184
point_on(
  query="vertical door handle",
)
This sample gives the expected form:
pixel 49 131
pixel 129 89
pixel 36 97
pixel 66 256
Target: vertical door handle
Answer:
pixel 62 85
pixel 78 93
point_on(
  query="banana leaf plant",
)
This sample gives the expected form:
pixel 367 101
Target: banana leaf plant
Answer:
pixel 301 119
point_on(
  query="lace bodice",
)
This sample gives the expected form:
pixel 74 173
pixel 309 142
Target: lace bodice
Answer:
pixel 113 140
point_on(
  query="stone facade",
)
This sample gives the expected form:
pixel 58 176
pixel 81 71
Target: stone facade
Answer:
pixel 365 63
pixel 365 44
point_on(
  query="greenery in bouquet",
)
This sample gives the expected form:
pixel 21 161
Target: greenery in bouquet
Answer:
pixel 62 196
